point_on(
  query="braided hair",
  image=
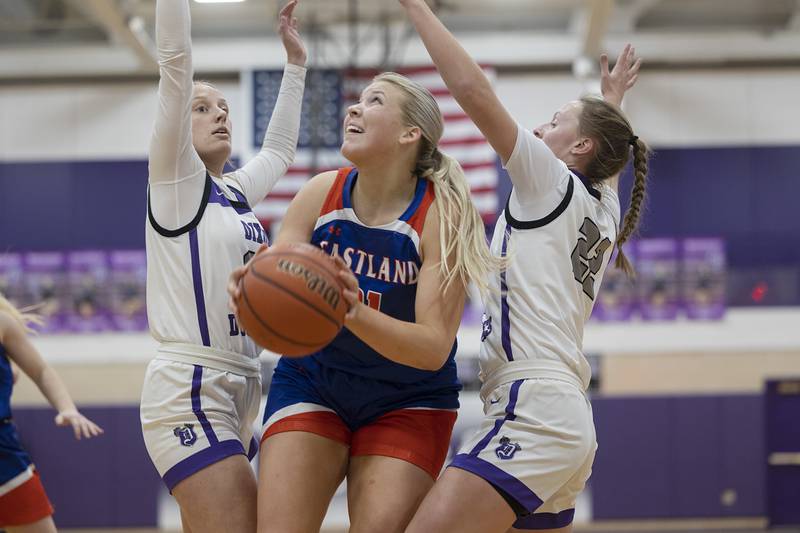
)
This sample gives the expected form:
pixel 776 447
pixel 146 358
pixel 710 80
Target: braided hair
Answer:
pixel 615 140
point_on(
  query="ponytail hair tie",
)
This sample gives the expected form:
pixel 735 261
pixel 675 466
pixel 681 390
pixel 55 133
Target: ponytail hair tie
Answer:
pixel 633 140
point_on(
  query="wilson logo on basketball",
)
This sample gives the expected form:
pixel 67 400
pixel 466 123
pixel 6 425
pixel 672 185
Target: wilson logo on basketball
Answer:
pixel 329 293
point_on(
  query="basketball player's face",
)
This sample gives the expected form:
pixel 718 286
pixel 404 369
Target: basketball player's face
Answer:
pixel 561 133
pixel 374 124
pixel 211 125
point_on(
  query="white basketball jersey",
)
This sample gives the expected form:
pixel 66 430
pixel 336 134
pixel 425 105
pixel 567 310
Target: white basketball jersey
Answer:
pixel 188 269
pixel 559 234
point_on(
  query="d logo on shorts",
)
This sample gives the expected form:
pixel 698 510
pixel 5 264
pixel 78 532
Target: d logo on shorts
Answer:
pixel 186 434
pixel 486 328
pixel 507 449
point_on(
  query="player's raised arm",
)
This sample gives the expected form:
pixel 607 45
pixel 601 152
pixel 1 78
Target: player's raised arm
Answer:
pixel 464 78
pixel 171 153
pixel 259 175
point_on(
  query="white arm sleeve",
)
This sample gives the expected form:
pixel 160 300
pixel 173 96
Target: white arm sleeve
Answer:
pixel 258 176
pixel 537 174
pixel 176 173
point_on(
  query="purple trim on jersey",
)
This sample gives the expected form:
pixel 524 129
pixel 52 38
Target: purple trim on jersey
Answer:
pixel 546 520
pixel 218 197
pixel 499 479
pixel 200 460
pixel 197 280
pixel 512 402
pixel 239 194
pixel 197 381
pixel 587 183
pixel 505 320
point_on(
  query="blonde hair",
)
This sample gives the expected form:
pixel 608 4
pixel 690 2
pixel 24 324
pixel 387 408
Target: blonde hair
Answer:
pixel 25 317
pixel 462 233
pixel 608 126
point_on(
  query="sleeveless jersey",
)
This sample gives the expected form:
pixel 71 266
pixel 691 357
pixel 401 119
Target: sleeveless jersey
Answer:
pixel 6 384
pixel 188 268
pixel 386 261
pixel 540 304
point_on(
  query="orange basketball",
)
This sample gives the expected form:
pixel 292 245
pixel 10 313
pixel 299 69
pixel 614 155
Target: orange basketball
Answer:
pixel 291 299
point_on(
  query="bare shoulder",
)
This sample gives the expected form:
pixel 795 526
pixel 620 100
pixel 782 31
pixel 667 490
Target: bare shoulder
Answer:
pixel 316 189
pixel 298 222
pixel 322 181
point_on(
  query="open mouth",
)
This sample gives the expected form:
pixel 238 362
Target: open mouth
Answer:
pixel 353 129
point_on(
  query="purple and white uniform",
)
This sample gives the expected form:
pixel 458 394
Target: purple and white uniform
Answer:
pixel 202 391
pixel 537 440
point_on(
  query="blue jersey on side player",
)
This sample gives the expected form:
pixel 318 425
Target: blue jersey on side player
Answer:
pixel 22 497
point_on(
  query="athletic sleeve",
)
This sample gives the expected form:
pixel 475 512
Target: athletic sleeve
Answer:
pixel 257 177
pixel 176 174
pixel 538 176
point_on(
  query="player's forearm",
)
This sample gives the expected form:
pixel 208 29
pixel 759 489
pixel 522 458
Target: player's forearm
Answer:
pixel 173 29
pixel 171 153
pixel 259 175
pixel 54 389
pixel 284 126
pixel 416 345
pixel 462 75
pixel 613 97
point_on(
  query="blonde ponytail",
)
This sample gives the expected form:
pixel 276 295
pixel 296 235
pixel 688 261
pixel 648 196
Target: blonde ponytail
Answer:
pixel 610 128
pixel 464 248
pixel 461 229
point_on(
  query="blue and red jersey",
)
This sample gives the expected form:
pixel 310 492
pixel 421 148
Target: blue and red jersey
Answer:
pixel 386 261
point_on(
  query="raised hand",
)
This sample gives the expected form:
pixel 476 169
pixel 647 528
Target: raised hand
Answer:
pixel 81 426
pixel 290 36
pixel 622 77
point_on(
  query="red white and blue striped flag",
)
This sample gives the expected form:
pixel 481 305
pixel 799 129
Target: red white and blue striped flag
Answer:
pixel 328 93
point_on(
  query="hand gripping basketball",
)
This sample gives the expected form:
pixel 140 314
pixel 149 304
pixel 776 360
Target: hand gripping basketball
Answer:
pixel 290 299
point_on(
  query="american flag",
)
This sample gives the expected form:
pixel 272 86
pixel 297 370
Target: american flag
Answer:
pixel 327 95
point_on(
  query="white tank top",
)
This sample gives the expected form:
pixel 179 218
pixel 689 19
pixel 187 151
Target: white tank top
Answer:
pixel 559 231
pixel 200 227
pixel 188 269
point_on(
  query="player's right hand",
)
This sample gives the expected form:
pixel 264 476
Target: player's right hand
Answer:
pixel 622 77
pixel 81 426
pixel 290 36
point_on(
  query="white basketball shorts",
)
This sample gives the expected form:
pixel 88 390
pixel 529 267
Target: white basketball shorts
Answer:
pixel 193 416
pixel 535 445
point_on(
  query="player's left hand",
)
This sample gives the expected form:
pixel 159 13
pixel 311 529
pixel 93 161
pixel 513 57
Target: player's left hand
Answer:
pixel 350 291
pixel 622 77
pixel 234 281
pixel 290 36
pixel 82 426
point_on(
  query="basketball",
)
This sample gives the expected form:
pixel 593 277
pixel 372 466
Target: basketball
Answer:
pixel 291 299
